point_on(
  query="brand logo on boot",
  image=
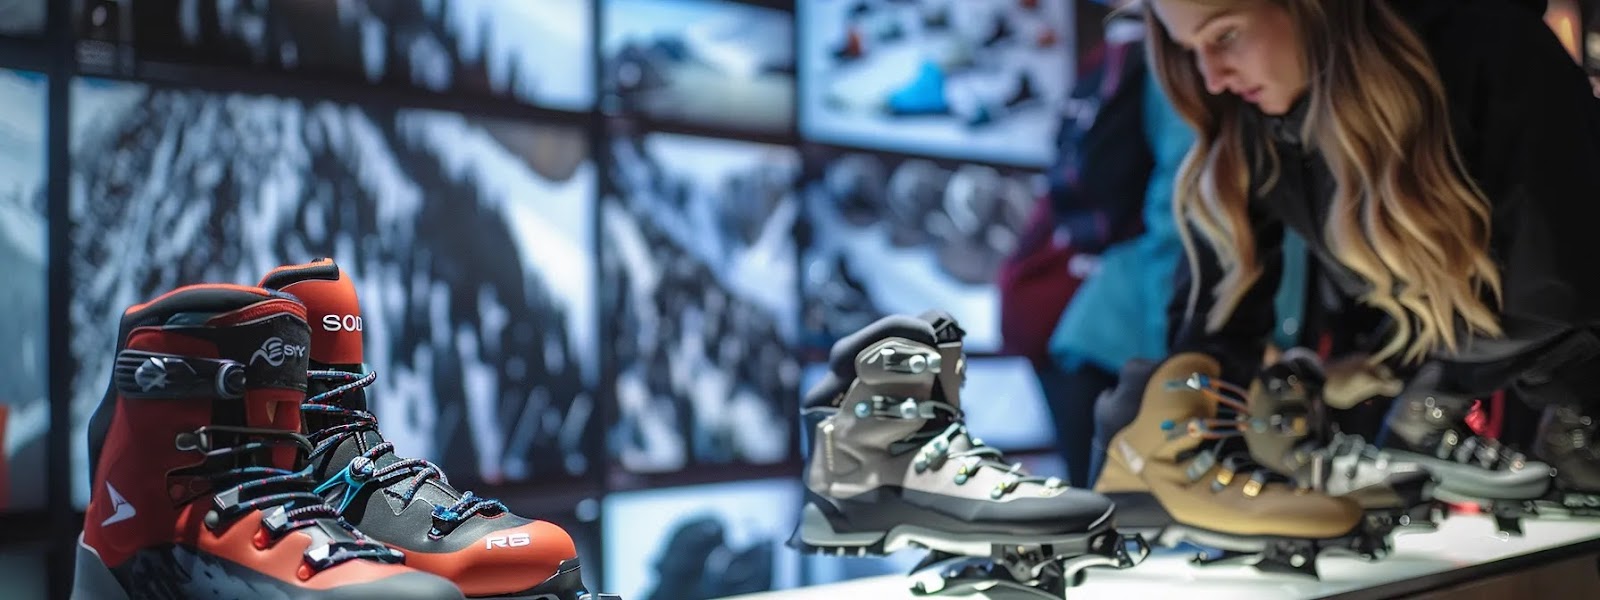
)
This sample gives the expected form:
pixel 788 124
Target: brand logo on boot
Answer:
pixel 151 374
pixel 341 323
pixel 120 509
pixel 509 541
pixel 274 351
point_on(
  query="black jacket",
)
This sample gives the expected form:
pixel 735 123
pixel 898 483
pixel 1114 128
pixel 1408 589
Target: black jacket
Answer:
pixel 1110 144
pixel 1528 128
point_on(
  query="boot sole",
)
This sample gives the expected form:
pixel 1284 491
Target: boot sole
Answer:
pixel 818 535
pixel 566 584
pixel 92 579
pixel 1145 516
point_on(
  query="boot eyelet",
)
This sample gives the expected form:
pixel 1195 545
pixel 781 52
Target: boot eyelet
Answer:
pixel 1252 488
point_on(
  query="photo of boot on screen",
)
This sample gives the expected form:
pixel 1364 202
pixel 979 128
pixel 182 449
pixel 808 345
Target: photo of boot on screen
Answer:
pixel 698 279
pixel 482 363
pixel 701 542
pixel 972 79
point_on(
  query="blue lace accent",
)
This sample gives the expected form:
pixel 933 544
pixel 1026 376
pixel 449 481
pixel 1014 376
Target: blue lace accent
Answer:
pixel 352 422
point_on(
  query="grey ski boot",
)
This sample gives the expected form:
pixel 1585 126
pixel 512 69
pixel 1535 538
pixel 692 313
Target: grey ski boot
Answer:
pixel 1430 428
pixel 892 466
pixel 1291 432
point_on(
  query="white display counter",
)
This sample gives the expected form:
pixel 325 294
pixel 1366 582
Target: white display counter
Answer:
pixel 1464 549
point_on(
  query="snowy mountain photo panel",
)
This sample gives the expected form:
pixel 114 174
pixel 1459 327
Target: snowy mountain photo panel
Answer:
pixel 533 52
pixel 24 265
pixel 470 241
pixel 698 284
pixel 708 63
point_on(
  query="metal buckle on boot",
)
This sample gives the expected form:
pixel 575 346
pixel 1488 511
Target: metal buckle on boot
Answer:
pixel 276 521
pixel 1224 478
pixel 1447 445
pixel 198 440
pixel 896 358
pixel 1253 487
pixel 966 470
pixel 1005 487
pixel 140 374
pixel 322 556
pixel 226 506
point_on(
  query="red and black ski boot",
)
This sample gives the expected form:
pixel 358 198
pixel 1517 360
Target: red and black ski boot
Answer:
pixel 408 503
pixel 200 486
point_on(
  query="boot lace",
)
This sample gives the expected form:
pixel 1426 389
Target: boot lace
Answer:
pixel 363 469
pixel 284 496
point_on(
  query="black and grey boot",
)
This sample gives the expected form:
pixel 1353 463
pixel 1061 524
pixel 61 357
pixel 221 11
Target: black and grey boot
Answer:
pixel 891 466
pixel 1430 429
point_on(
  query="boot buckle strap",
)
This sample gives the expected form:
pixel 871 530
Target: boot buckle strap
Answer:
pixel 142 375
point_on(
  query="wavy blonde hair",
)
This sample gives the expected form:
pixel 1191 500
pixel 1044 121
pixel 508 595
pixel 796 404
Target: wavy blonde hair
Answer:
pixel 1405 216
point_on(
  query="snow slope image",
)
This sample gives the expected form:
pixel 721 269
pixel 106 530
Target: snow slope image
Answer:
pixel 470 242
pixel 24 265
pixel 486 48
pixel 701 542
pixel 884 235
pixel 698 278
pixel 970 79
pixel 706 62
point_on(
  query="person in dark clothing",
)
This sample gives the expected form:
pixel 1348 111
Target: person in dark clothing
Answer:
pixel 1442 160
pixel 1111 192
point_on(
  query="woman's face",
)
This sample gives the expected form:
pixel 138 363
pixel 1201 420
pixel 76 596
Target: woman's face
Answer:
pixel 1250 49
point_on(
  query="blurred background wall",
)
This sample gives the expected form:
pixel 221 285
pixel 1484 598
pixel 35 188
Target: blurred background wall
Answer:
pixel 602 245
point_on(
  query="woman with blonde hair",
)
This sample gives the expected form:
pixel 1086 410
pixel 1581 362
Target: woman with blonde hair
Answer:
pixel 1442 160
